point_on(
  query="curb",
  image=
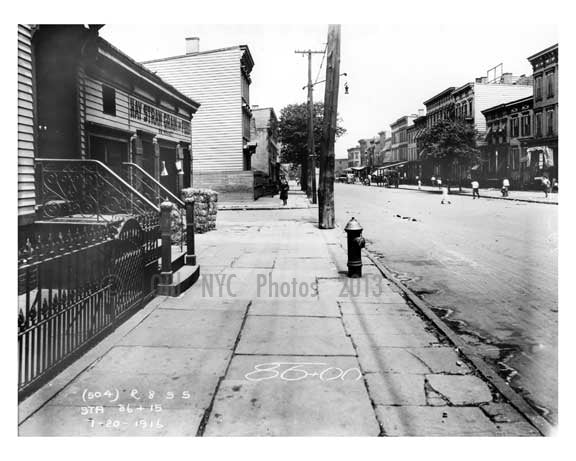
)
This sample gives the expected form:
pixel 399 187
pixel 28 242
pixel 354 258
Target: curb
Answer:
pixel 510 199
pixel 515 399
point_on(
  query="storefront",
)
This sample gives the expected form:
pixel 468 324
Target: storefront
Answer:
pixel 123 113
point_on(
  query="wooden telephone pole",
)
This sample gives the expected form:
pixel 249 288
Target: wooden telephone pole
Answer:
pixel 326 192
pixel 311 163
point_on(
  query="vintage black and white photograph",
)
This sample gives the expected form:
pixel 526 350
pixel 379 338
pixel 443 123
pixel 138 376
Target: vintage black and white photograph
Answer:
pixel 276 230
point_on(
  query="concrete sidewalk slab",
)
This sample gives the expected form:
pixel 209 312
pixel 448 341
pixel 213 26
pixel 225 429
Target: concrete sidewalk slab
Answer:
pixel 396 388
pixel 417 360
pixel 424 421
pixel 383 325
pixel 357 307
pixel 183 328
pixel 139 390
pixel 56 421
pixel 284 409
pixel 312 307
pixel 294 336
pixel 422 339
pixel 460 390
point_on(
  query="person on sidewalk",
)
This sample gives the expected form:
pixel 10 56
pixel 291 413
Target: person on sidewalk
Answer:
pixel 419 182
pixel 475 189
pixel 505 187
pixel 284 188
pixel 445 189
pixel 439 182
pixel 546 186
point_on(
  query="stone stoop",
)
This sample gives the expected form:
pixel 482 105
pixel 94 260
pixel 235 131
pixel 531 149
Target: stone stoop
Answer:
pixel 183 275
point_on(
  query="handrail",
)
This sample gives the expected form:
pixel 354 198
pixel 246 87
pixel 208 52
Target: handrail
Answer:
pixel 175 199
pixel 107 169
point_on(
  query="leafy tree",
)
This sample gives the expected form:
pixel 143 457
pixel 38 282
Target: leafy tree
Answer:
pixel 449 141
pixel 293 132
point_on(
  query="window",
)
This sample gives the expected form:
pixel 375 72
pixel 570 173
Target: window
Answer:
pixel 515 127
pixel 538 86
pixel 538 124
pixel 550 122
pixel 514 158
pixel 526 125
pixel 470 112
pixel 108 100
pixel 550 84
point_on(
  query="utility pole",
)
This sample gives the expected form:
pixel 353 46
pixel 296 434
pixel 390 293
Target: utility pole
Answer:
pixel 311 163
pixel 326 193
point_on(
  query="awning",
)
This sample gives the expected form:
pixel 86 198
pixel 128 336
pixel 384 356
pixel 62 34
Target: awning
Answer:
pixel 547 157
pixel 359 168
pixel 391 165
pixel 475 167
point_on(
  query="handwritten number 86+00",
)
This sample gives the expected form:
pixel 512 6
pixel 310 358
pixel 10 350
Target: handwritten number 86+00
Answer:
pixel 295 372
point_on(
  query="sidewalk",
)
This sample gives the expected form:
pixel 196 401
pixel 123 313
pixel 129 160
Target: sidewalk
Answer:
pixel 296 200
pixel 515 195
pixel 273 339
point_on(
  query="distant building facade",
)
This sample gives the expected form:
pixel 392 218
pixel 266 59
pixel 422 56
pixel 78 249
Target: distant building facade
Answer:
pixel 265 161
pixel 220 80
pixel 340 164
pixel 508 126
pixel 354 158
pixel 545 120
pixel 399 131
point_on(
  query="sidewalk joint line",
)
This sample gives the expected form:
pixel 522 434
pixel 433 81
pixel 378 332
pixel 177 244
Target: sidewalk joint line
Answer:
pixel 208 411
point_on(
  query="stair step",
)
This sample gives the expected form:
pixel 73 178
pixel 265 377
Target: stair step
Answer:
pixel 182 279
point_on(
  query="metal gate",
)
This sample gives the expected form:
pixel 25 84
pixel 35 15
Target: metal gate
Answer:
pixel 71 295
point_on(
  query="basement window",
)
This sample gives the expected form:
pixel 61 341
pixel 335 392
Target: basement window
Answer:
pixel 108 100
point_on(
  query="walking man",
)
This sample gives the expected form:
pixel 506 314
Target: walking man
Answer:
pixel 284 188
pixel 445 195
pixel 546 186
pixel 475 189
pixel 505 187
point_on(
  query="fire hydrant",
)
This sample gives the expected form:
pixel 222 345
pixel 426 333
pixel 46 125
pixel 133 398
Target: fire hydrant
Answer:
pixel 355 244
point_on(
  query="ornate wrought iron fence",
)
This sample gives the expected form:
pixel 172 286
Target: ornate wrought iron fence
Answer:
pixel 74 288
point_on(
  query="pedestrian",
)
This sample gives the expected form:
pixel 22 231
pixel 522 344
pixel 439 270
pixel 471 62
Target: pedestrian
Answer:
pixel 505 187
pixel 433 179
pixel 445 194
pixel 284 188
pixel 475 189
pixel 546 185
pixel 419 182
pixel 439 182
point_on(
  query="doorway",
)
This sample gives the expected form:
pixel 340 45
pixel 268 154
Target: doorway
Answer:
pixel 111 152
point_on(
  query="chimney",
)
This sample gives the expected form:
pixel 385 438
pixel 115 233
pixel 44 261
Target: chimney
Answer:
pixel 192 45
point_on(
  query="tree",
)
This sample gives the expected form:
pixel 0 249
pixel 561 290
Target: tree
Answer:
pixel 293 132
pixel 450 142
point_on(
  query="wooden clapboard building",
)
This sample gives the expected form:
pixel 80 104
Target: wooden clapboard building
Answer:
pixel 102 141
pixel 94 102
pixel 220 80
pixel 26 127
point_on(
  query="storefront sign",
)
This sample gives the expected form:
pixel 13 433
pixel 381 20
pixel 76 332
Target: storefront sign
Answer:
pixel 165 122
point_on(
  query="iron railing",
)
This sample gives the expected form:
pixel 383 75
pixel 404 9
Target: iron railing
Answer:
pixel 149 187
pixel 74 288
pixel 86 189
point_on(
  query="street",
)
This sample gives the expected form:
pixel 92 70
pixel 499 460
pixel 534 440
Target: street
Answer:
pixel 488 267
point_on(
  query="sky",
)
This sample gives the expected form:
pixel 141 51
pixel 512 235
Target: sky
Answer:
pixel 392 68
